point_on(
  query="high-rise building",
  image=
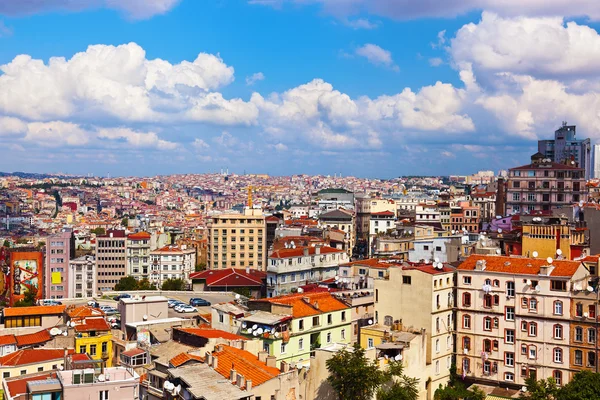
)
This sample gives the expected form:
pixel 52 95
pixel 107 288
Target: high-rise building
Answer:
pixel 544 185
pixel 110 259
pixel 595 161
pixel 138 255
pixel 82 277
pixel 60 249
pixel 237 240
pixel 565 146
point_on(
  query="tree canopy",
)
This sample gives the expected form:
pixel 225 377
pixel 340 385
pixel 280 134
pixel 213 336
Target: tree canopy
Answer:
pixel 173 284
pixel 27 300
pixel 129 283
pixel 585 385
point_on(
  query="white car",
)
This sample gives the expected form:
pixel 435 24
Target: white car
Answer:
pixel 92 303
pixel 187 309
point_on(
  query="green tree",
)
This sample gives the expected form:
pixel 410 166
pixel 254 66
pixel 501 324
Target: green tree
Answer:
pixel 27 300
pixel 399 386
pixel 544 389
pixel 456 389
pixel 173 284
pixel 585 385
pixel 243 291
pixel 125 222
pixel 144 284
pixel 6 243
pixel 98 231
pixel 126 283
pixel 200 266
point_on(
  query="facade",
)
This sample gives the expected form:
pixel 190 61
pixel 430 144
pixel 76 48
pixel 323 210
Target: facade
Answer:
pixel 82 277
pixel 595 160
pixel 514 317
pixel 60 250
pixel 401 301
pixel 293 267
pixel 110 259
pixel 464 217
pixel 543 186
pixel 446 249
pixel 224 280
pixel 379 224
pixel 172 262
pixel 343 220
pixel 94 338
pixel 29 361
pixel 332 199
pixel 148 309
pixel 138 255
pixel 237 240
pixel 566 147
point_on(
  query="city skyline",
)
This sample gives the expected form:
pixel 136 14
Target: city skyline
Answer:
pixel 288 87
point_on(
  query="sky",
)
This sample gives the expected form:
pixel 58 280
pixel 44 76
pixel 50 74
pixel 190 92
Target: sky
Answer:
pixel 370 88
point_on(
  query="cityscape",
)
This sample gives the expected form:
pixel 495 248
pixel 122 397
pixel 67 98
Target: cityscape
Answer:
pixel 417 219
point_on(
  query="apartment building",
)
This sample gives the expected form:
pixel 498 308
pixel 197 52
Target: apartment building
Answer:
pixel 82 277
pixel 514 317
pixel 237 240
pixel 421 297
pixel 172 262
pixel 289 268
pixel 138 255
pixel 344 221
pixel 544 185
pixel 380 223
pixel 565 146
pixel 110 259
pixel 465 217
pixel 60 249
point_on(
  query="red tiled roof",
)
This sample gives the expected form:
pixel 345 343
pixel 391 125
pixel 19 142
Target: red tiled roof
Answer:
pixel 182 358
pixel 553 166
pixel 210 333
pixel 230 277
pixel 299 252
pixel 80 357
pixel 139 236
pixel 522 266
pixel 245 364
pixel 308 222
pixel 19 386
pixel 591 258
pixel 93 324
pixel 133 352
pixel 427 268
pixel 7 339
pixel 84 311
pixel 307 304
pixel 32 356
pixel 33 310
pixel 383 214
pixel 31 339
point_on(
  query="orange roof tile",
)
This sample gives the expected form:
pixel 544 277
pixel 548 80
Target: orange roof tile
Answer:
pixel 245 364
pixel 183 358
pixel 211 333
pixel 7 339
pixel 520 265
pixel 84 311
pixel 139 236
pixel 93 324
pixel 307 304
pixel 591 258
pixel 32 356
pixel 30 339
pixel 299 252
pixel 33 310
pixel 133 352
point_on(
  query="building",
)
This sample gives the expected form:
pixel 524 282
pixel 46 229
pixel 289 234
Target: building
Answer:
pixel 82 277
pixel 247 280
pixel 172 262
pixel 36 316
pixel 60 249
pixel 464 217
pixel 334 198
pixel 111 265
pixel 290 268
pixel 138 255
pixel 420 297
pixel 292 326
pixel 446 249
pixel 343 220
pixel 142 309
pixel 513 318
pixel 565 146
pixel 595 162
pixel 544 185
pixel 237 240
pixel 381 223
pixel 93 337
pixel 548 239
pixel 29 361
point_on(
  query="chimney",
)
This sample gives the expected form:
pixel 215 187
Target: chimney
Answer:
pixel 208 358
pixel 305 251
pixel 546 270
pixel 248 270
pixel 248 385
pixel 262 356
pixel 271 361
pixel 500 201
pixel 241 381
pixel 215 362
pixel 233 375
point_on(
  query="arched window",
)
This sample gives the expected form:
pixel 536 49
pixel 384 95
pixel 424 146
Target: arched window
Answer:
pixel 488 282
pixel 466 342
pixel 450 300
pixel 496 322
pixel 496 283
pixel 558 308
pixel 558 331
pixel 532 329
pixel 487 301
pixel 524 302
pixel 532 352
pixel 487 345
pixel 466 299
pixel 487 324
pixel 495 345
pixel 466 364
pixel 496 300
pixel 578 334
pixel 467 321
pixel 579 310
pixel 558 355
pixel 557 375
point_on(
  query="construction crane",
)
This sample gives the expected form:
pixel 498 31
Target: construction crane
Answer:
pixel 250 196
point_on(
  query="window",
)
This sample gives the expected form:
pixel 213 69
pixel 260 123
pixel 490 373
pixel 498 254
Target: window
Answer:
pixel 316 321
pixel 560 286
pixel 466 299
pixel 532 329
pixel 487 301
pixel 532 305
pixel 92 349
pixel 437 367
pixel 496 300
pixel 23 372
pixel 509 359
pixel 406 280
pixel 328 337
pixel 467 280
pixel 82 349
pixel 510 313
pixel 558 331
pixel 496 283
pixel 532 352
pixel 591 335
pixel 524 302
pixel 301 344
pixel 591 359
pixel 496 323
pixel 578 357
pixel 487 324
pixel 578 334
pixel 437 345
pixel 466 365
pixel 370 343
pixel 592 311
pixel 558 307
pixel 509 377
pixel 466 342
pixel 557 375
pixel 283 347
pixel 104 347
pixel 558 355
pixel 329 319
pixel 487 367
pixel 579 310
pixel 221 318
pixel 343 334
pixel 510 288
pixel 301 325
pixel 487 345
pixel 103 395
pixel 524 326
pixel 509 336
pixel 467 321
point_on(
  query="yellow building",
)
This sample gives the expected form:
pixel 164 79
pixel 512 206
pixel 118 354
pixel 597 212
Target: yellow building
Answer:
pixel 94 338
pixel 546 240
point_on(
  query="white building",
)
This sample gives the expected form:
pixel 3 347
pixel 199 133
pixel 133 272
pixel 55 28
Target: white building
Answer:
pixel 82 277
pixel 138 255
pixel 172 262
pixel 596 161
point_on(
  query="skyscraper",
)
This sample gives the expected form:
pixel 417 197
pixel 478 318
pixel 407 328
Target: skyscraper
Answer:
pixel 566 147
pixel 595 161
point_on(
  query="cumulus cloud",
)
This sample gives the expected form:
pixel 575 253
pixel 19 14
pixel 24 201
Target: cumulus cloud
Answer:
pixel 252 79
pixel 377 55
pixel 361 23
pixel 136 9
pixel 141 140
pixel 435 61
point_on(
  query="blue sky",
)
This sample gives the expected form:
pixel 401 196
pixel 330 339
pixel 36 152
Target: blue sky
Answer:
pixel 375 88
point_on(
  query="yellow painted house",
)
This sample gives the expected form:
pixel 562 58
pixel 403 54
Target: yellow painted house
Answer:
pixel 94 338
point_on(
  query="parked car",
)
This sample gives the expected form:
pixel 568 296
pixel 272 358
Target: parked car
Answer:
pixel 122 296
pixel 93 303
pixel 187 309
pixel 198 302
pixel 172 302
pixel 49 302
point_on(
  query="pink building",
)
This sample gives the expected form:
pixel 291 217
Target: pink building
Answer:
pixel 60 248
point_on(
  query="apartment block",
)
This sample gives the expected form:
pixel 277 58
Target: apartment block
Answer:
pixel 565 146
pixel 60 249
pixel 237 240
pixel 138 255
pixel 110 259
pixel 172 262
pixel 82 277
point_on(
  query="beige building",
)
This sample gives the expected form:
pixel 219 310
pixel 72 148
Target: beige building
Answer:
pixel 420 297
pixel 137 309
pixel 29 361
pixel 138 255
pixel 172 262
pixel 237 240
pixel 110 259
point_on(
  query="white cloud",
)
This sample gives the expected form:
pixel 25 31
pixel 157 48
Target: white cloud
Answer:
pixel 377 55
pixel 252 79
pixel 435 61
pixel 200 144
pixel 361 23
pixel 141 140
pixel 57 134
pixel 10 126
pixel 136 9
pixel 441 40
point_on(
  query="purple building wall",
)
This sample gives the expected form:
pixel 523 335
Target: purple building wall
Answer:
pixel 59 249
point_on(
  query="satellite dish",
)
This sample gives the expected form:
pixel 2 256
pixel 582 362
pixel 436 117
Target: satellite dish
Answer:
pixel 55 331
pixel 237 296
pixel 255 333
pixel 145 317
pixel 259 331
pixel 585 314
pixel 499 230
pixel 254 326
pixel 427 261
pixel 538 288
pixel 453 232
pixel 300 290
pixel 524 389
pixel 337 278
pixel 528 282
pixel 580 203
pixel 549 259
pixel 559 252
pixel 437 260
pixel 590 289
pixel 370 322
pixel 398 357
pixel 177 389
pixel 243 325
pixel 101 378
pixel 65 333
pixel 534 254
pixel 498 251
pixel 276 334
